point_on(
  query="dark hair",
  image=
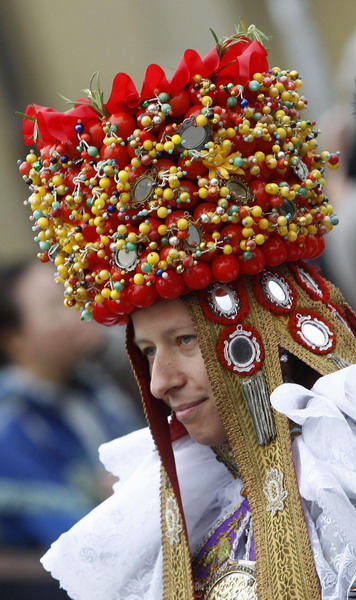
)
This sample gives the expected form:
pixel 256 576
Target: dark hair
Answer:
pixel 351 160
pixel 10 314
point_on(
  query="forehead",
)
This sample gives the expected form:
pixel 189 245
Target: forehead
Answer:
pixel 163 316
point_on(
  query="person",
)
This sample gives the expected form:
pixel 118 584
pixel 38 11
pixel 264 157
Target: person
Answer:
pixel 55 409
pixel 187 211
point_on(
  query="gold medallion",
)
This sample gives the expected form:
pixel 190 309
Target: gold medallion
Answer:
pixel 235 581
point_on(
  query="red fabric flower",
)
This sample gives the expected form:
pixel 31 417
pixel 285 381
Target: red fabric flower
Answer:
pixel 54 126
pixel 246 58
pixel 239 62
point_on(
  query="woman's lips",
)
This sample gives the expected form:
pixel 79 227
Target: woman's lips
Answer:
pixel 187 410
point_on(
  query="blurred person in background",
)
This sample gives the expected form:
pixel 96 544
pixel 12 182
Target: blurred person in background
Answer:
pixel 339 131
pixel 55 409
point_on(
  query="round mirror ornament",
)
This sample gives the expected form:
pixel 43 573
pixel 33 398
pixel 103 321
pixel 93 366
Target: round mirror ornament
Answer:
pixel 193 136
pixel 240 349
pixel 300 169
pixel 126 259
pixel 224 303
pixel 239 191
pixel 275 292
pixel 312 331
pixel 143 189
pixel 310 281
pixel 339 314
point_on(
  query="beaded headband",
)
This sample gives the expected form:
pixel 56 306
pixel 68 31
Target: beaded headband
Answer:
pixel 193 180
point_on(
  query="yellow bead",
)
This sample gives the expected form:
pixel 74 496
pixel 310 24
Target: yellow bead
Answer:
pixel 263 224
pixel 184 197
pixel 206 100
pixel 144 228
pixel 31 158
pixel 162 212
pixel 135 162
pixel 271 188
pixel 227 249
pixel 162 265
pixel 201 120
pixel 256 211
pixel 260 156
pixel 106 293
pixel 153 258
pixel 248 221
pixel 99 299
pixel 162 229
pixel 168 194
pixel 139 279
pixel 43 222
pixel 115 295
pixel 203 193
pixel 176 139
pixel 283 231
pixel 146 121
pixel 57 180
pixel 123 176
pixel 247 232
pixel 182 224
pixel 167 146
pixel 292 236
pixel 105 182
pixel 132 237
pixel 148 145
pixel 260 239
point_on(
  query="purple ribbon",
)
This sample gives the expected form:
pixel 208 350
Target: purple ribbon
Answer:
pixel 221 542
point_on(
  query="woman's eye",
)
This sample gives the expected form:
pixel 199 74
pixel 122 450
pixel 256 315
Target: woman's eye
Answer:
pixel 149 351
pixel 187 339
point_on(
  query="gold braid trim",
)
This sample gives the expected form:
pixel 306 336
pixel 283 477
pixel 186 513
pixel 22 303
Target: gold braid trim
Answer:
pixel 285 566
pixel 177 568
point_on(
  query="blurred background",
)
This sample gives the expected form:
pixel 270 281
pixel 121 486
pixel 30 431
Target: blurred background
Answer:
pixel 49 47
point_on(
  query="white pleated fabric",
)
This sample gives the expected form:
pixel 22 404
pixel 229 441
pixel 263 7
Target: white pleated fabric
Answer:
pixel 114 553
pixel 325 459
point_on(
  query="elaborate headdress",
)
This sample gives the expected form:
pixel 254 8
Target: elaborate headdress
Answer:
pixel 190 181
pixel 209 182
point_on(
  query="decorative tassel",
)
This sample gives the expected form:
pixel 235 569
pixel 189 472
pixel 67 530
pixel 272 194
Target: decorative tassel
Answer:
pixel 340 362
pixel 256 395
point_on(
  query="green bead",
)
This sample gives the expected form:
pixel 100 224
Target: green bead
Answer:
pixel 163 97
pixel 37 214
pixel 232 101
pixel 118 286
pixel 86 315
pixel 146 268
pixel 92 151
pixel 166 109
pixel 44 246
pixel 254 85
pixel 130 246
pixel 238 161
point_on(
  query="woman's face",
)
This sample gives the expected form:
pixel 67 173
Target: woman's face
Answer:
pixel 165 335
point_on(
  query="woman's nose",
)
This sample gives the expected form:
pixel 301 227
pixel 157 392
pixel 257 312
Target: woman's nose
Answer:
pixel 166 374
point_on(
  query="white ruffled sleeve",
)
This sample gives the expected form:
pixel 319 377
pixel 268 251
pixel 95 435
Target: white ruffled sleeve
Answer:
pixel 325 459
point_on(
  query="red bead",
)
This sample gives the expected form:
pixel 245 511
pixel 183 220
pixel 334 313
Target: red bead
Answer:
pixel 198 276
pixel 225 268
pixel 274 251
pixel 170 286
pixel 253 265
pixel 141 295
pixel 294 250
